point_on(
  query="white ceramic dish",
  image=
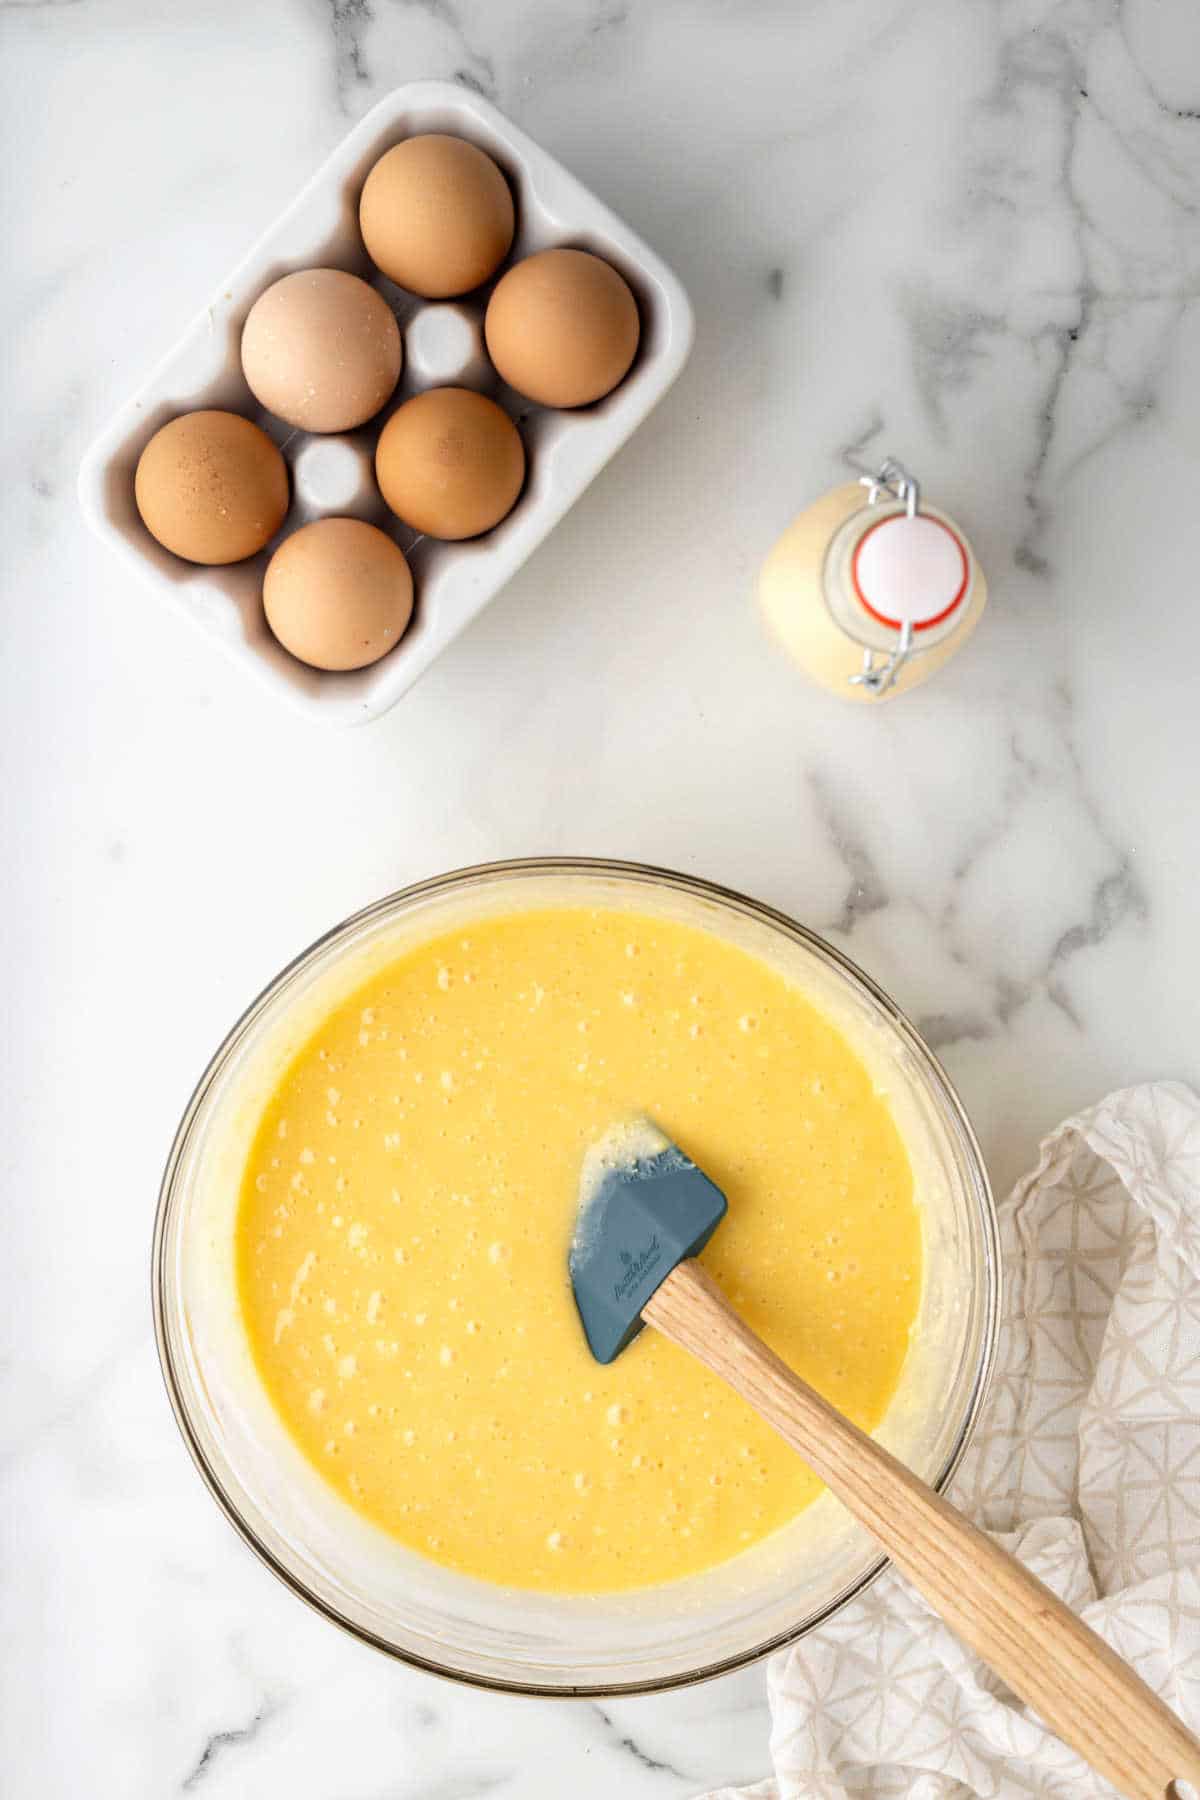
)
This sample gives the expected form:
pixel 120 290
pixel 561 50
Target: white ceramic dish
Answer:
pixel 566 449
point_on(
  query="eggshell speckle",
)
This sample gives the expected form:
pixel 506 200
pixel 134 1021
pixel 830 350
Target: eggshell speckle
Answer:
pixel 338 594
pixel 322 350
pixel 211 487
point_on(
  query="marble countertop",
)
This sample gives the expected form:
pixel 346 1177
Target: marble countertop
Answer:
pixel 967 235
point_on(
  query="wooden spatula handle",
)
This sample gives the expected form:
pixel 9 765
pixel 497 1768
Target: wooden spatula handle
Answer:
pixel 1037 1646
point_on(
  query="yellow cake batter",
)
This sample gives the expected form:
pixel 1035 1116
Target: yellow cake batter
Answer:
pixel 408 1205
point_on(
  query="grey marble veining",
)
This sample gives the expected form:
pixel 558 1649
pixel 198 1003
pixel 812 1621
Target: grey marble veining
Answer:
pixel 967 235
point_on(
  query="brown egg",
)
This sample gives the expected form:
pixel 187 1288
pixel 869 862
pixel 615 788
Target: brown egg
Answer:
pixel 338 594
pixel 450 462
pixel 211 487
pixel 436 215
pixel 322 350
pixel 562 327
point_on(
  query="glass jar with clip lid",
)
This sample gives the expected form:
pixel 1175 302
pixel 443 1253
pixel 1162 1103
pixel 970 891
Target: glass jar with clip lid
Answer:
pixel 871 590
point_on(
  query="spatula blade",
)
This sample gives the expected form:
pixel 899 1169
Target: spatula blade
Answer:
pixel 643 1207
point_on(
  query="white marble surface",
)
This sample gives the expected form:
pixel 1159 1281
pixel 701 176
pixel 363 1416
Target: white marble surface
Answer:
pixel 965 234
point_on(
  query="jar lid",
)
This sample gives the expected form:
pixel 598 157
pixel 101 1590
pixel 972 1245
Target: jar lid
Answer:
pixel 911 569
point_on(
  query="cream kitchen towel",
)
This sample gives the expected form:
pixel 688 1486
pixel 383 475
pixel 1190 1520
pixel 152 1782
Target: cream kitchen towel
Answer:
pixel 1086 1463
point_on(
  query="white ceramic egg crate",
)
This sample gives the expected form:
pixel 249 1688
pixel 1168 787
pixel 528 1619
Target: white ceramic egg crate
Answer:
pixel 443 346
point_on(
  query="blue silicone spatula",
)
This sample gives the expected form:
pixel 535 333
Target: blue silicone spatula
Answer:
pixel 645 1213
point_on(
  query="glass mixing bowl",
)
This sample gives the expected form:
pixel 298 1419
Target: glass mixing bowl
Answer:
pixel 455 1625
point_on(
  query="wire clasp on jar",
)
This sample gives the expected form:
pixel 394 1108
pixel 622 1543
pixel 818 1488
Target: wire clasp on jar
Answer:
pixel 893 482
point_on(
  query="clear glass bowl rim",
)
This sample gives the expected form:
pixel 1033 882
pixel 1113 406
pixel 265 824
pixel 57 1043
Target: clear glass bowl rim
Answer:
pixel 700 888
